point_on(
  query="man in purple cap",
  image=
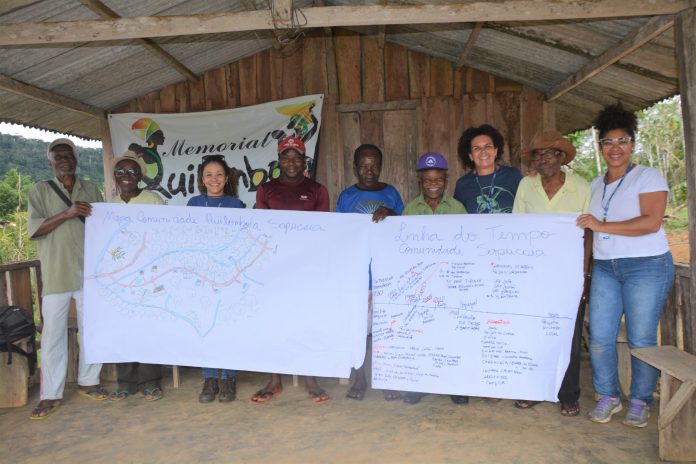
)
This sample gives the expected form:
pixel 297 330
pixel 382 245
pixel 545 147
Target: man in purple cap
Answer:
pixel 57 211
pixel 432 177
pixel 292 191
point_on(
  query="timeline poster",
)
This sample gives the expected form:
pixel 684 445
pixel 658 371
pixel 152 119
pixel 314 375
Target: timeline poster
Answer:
pixel 479 305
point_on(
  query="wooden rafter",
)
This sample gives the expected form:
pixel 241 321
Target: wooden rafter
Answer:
pixel 105 12
pixel 652 29
pixel 333 16
pixel 45 96
pixel 471 41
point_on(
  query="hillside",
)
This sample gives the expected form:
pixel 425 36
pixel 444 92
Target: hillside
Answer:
pixel 29 157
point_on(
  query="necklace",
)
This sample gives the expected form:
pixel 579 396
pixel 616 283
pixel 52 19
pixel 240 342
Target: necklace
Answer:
pixel 219 203
pixel 487 198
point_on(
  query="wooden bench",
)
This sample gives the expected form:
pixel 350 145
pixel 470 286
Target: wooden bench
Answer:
pixel 677 418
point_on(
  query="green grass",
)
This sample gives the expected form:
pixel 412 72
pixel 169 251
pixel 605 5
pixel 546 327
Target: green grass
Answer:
pixel 677 222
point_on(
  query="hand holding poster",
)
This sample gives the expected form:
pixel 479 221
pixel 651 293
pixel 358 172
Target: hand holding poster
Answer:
pixel 480 305
pixel 171 146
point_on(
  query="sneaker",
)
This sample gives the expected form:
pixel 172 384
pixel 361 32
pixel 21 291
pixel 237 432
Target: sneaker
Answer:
pixel 606 407
pixel 638 413
pixel 228 390
pixel 210 389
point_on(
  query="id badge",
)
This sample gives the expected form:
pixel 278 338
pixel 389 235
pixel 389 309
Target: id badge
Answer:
pixel 604 236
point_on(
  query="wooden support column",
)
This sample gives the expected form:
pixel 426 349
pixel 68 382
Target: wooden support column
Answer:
pixel 107 158
pixel 549 116
pixel 685 38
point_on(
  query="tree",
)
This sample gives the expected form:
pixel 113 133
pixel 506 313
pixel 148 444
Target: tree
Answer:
pixel 14 189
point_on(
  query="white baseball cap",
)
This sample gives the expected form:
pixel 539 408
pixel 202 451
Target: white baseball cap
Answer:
pixel 61 141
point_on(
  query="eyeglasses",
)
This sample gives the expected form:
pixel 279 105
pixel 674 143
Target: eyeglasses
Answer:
pixel 123 171
pixel 545 155
pixel 479 148
pixel 621 141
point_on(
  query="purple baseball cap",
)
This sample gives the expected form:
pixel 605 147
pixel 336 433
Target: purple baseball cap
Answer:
pixel 431 160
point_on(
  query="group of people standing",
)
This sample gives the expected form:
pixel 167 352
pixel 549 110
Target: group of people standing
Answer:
pixel 628 267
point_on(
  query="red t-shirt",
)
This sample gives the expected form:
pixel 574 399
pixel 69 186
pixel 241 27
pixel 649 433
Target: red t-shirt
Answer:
pixel 306 195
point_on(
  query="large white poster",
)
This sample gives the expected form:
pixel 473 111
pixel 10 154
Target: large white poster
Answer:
pixel 257 290
pixel 480 305
pixel 171 146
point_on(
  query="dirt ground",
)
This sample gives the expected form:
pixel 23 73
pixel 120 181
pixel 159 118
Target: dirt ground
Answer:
pixel 293 429
pixel 679 244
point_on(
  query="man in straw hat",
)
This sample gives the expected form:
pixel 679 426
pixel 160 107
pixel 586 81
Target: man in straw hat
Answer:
pixel 556 191
pixel 57 210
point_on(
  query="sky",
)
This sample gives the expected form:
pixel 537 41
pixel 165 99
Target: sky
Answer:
pixel 48 136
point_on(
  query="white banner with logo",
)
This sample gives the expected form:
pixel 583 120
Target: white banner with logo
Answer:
pixel 172 146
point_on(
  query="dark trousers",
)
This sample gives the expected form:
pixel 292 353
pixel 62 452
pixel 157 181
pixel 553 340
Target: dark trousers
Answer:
pixel 570 388
pixel 135 377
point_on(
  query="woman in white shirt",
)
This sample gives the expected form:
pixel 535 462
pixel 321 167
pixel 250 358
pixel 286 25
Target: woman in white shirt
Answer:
pixel 632 267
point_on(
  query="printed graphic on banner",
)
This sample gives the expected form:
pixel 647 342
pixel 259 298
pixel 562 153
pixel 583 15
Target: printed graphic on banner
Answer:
pixel 480 305
pixel 238 289
pixel 171 146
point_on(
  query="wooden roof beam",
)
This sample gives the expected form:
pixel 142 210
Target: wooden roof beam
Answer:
pixel 106 12
pixel 471 41
pixel 45 96
pixel 645 34
pixel 332 16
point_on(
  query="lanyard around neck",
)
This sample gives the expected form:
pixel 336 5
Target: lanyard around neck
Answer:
pixel 218 205
pixel 605 206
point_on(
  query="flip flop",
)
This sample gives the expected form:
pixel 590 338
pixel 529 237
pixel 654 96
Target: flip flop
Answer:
pixel 391 395
pixel 46 406
pixel 570 409
pixel 319 396
pixel 153 393
pixel 263 396
pixel 525 404
pixel 119 395
pixel 96 393
pixel 355 394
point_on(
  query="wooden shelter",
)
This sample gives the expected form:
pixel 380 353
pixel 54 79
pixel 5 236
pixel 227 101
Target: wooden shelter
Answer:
pixel 407 76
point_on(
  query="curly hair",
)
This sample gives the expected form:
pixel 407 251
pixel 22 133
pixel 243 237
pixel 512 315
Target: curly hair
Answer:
pixel 231 175
pixel 464 146
pixel 616 117
pixel 365 147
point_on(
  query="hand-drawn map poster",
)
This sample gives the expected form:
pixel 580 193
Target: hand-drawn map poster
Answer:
pixel 256 290
pixel 480 305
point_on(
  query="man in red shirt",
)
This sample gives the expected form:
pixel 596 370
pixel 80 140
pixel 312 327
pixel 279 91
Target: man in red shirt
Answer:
pixel 292 191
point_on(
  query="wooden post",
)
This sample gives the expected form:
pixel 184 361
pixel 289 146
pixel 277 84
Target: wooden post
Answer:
pixel 685 38
pixel 107 159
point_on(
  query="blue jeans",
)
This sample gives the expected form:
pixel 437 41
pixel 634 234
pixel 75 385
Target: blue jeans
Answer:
pixel 636 287
pixel 212 373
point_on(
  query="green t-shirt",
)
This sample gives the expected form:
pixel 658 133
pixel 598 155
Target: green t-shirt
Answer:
pixel 448 205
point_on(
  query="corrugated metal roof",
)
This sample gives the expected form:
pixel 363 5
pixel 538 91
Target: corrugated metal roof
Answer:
pixel 536 54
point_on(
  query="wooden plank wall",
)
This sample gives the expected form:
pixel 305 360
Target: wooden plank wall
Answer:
pixel 403 101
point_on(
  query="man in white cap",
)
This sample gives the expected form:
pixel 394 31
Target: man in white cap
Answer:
pixel 57 209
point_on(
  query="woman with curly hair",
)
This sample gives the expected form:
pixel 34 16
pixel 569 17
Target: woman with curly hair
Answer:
pixel 632 266
pixel 217 183
pixel 489 187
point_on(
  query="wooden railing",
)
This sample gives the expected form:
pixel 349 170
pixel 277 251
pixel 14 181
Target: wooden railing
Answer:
pixel 678 322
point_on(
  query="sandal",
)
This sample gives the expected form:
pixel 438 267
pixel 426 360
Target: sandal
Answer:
pixel 355 393
pixel 118 395
pixel 319 396
pixel 264 395
pixel 570 409
pixel 526 404
pixel 44 409
pixel 153 393
pixel 95 392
